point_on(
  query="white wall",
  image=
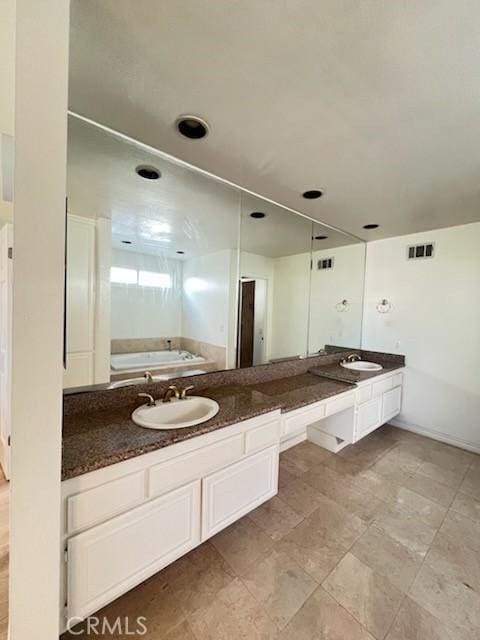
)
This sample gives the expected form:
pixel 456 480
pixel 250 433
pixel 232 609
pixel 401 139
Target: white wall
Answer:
pixel 290 305
pixel 435 322
pixel 7 88
pixel 146 312
pixel 41 82
pixel 207 298
pixel 328 288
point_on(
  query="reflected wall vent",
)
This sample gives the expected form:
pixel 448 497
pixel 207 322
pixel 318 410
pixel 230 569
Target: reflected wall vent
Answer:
pixel 420 251
pixel 325 263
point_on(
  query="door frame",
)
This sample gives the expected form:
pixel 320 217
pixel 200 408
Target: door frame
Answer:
pixel 6 287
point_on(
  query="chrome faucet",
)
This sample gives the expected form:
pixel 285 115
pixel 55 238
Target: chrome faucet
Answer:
pixel 148 376
pixel 151 399
pixel 171 391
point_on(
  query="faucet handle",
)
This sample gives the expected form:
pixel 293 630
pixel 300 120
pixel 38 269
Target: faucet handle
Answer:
pixel 183 392
pixel 151 399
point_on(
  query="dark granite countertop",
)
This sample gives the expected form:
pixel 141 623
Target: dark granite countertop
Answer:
pixel 299 391
pixel 93 439
pixel 337 372
pixel 98 438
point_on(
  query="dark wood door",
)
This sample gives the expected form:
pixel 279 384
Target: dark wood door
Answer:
pixel 247 324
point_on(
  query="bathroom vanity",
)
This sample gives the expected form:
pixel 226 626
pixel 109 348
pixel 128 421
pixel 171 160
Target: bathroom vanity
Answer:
pixel 135 500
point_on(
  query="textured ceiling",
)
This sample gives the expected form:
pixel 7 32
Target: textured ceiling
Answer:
pixel 378 103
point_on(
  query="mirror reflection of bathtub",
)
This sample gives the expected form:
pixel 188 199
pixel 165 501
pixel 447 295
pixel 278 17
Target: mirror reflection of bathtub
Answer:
pixel 123 365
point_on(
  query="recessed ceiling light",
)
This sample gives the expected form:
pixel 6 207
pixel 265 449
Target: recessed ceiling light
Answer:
pixel 148 172
pixel 321 237
pixel 257 215
pixel 312 194
pixel 192 127
pixel 126 242
pixel 371 226
pixel 181 252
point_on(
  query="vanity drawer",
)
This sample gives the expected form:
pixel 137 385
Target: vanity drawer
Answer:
pixel 340 404
pixel 363 394
pixel 381 386
pixel 189 466
pixel 302 419
pixel 262 437
pixel 397 380
pixel 101 503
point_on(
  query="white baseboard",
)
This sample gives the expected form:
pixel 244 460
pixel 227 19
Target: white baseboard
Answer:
pixel 436 435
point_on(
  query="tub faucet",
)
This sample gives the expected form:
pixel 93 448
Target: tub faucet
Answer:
pixel 169 344
pixel 171 391
pixel 148 376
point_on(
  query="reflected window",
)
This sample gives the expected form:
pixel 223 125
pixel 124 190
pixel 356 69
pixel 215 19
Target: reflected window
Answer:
pixel 154 279
pixel 122 275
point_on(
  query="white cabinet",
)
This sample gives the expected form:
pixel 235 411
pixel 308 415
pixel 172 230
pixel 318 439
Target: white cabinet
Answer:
pixel 133 518
pixel 377 402
pixel 392 402
pixel 80 301
pixel 369 417
pixel 107 560
pixel 231 493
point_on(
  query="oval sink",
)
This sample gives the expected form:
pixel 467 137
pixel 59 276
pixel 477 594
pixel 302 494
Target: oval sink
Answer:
pixel 176 414
pixel 362 365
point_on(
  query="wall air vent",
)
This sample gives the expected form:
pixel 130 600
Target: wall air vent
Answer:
pixel 325 263
pixel 420 251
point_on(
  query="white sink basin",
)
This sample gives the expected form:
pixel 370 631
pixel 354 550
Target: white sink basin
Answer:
pixel 176 414
pixel 362 365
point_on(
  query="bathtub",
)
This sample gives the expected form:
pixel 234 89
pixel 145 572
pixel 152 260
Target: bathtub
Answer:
pixel 152 360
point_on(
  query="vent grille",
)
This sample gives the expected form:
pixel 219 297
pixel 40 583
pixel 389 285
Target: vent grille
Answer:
pixel 420 251
pixel 325 263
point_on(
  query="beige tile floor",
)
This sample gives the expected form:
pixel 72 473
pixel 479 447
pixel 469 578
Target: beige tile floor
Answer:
pixel 381 541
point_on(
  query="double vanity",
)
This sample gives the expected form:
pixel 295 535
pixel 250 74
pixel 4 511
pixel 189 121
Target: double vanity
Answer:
pixel 136 498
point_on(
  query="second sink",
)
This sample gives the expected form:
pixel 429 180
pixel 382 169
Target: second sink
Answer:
pixel 362 365
pixel 176 414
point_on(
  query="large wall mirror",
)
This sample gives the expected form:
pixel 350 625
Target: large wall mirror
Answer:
pixel 173 272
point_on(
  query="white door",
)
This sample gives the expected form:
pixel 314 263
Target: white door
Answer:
pixel 6 269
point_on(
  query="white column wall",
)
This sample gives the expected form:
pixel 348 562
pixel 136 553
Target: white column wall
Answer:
pixel 42 30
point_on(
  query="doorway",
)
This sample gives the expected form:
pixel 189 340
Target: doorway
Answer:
pixel 251 322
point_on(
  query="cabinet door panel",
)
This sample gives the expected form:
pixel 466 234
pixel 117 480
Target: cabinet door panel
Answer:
pixel 113 557
pixel 231 493
pixel 368 417
pixel 392 402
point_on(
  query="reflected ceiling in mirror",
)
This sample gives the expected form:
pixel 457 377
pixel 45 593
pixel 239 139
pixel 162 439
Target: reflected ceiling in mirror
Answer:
pixel 158 241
